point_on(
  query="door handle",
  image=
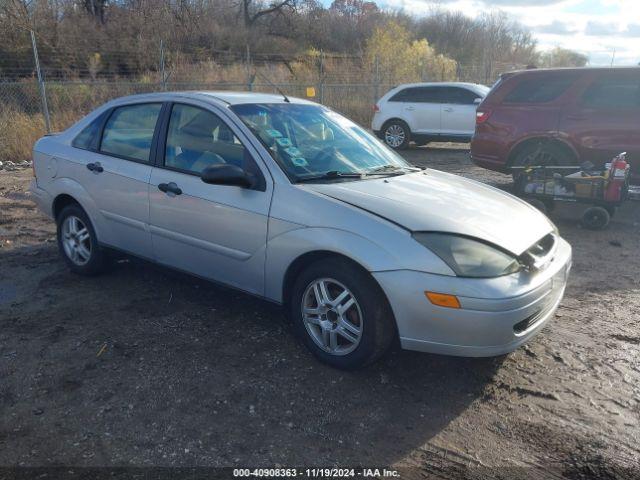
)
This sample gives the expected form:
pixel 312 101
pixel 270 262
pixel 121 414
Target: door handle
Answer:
pixel 170 188
pixel 410 109
pixel 449 109
pixel 95 167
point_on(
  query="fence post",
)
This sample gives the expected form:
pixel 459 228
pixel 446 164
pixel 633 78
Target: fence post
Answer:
pixel 43 92
pixel 250 77
pixel 376 79
pixel 321 84
pixel 162 71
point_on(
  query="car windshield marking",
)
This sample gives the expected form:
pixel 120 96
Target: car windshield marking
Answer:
pixel 308 140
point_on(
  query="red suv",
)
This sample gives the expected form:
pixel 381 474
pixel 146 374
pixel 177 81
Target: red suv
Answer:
pixel 559 117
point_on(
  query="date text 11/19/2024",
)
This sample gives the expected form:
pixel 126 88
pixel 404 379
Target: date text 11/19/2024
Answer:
pixel 316 472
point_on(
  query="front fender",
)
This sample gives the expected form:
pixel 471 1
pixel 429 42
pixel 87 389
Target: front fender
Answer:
pixel 285 248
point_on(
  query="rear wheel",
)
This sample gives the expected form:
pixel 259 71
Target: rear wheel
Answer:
pixel 78 243
pixel 545 154
pixel 396 134
pixel 341 314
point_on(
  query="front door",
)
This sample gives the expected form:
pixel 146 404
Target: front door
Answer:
pixel 215 231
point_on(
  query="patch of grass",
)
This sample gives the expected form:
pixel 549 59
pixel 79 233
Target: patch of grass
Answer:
pixel 20 130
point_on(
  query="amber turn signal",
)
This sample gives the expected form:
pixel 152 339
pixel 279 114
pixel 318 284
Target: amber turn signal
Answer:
pixel 443 299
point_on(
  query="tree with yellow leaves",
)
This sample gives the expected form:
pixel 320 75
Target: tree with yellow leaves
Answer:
pixel 398 58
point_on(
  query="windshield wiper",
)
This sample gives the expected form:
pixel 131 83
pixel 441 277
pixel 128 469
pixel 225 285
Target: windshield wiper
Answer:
pixel 330 175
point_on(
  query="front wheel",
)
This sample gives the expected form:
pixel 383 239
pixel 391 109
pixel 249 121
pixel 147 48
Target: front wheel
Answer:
pixel 78 243
pixel 341 314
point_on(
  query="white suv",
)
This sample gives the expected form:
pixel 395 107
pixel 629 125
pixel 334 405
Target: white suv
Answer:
pixel 426 112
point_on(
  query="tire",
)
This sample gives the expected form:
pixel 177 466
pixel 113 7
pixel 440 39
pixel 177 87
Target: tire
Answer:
pixel 539 204
pixel 542 154
pixel 369 313
pixel 396 134
pixel 596 218
pixel 78 243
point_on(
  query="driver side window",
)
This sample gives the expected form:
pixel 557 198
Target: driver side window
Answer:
pixel 198 138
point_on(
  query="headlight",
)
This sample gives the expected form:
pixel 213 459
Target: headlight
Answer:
pixel 468 257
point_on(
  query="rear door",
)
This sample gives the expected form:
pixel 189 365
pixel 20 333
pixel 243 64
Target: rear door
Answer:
pixel 215 231
pixel 605 118
pixel 420 108
pixel 458 111
pixel 116 175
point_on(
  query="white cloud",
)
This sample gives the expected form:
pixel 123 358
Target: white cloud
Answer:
pixel 593 27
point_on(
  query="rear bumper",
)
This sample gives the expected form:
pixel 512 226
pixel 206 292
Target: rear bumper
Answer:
pixel 490 163
pixel 496 315
pixel 41 198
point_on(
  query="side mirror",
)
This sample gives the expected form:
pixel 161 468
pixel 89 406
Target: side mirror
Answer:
pixel 477 101
pixel 227 174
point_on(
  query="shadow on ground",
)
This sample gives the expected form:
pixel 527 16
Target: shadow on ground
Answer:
pixel 147 366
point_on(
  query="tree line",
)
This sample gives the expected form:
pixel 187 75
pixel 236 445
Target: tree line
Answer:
pixel 122 37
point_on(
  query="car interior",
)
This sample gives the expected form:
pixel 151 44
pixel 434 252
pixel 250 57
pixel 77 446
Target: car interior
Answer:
pixel 198 139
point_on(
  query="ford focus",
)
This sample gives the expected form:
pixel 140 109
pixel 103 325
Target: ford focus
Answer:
pixel 287 200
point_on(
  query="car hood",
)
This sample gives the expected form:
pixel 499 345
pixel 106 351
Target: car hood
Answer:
pixel 441 202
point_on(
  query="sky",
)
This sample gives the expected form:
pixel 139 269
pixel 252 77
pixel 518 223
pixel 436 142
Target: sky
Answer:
pixel 595 28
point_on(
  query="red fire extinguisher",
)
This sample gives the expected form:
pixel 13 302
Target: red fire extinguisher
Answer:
pixel 617 181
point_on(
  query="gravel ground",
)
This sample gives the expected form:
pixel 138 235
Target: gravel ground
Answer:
pixel 146 367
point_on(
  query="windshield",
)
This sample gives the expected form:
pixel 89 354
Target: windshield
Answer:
pixel 311 141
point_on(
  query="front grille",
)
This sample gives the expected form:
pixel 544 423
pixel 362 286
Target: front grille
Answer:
pixel 541 253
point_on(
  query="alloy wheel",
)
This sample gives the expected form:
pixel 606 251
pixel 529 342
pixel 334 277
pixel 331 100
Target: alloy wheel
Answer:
pixel 76 240
pixel 332 316
pixel 394 135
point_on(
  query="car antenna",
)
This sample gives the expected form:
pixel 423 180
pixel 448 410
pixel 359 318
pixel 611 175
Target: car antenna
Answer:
pixel 286 99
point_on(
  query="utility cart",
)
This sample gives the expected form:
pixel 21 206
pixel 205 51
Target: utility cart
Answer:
pixel 604 189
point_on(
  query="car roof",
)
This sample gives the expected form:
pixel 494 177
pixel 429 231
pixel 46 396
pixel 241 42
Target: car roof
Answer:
pixel 569 70
pixel 224 96
pixel 439 84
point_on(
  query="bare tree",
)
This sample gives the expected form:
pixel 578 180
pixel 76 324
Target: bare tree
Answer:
pixel 95 8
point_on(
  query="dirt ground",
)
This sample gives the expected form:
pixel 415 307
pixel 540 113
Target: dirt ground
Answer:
pixel 147 367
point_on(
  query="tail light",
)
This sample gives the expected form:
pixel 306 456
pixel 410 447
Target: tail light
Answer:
pixel 376 108
pixel 482 116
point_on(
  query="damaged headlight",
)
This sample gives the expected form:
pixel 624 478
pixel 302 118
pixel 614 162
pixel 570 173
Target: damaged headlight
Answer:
pixel 468 257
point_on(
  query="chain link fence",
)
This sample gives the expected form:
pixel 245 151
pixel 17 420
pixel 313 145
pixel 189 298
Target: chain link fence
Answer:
pixel 56 91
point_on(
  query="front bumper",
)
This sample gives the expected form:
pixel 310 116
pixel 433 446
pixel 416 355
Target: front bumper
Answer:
pixel 496 316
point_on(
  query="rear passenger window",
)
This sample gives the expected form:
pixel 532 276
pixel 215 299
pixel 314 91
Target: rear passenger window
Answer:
pixel 539 90
pixel 418 95
pixel 87 139
pixel 129 131
pixel 406 95
pixel 198 139
pixel 613 93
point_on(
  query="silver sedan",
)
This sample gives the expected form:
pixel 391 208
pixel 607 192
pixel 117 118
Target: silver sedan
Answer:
pixel 287 200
